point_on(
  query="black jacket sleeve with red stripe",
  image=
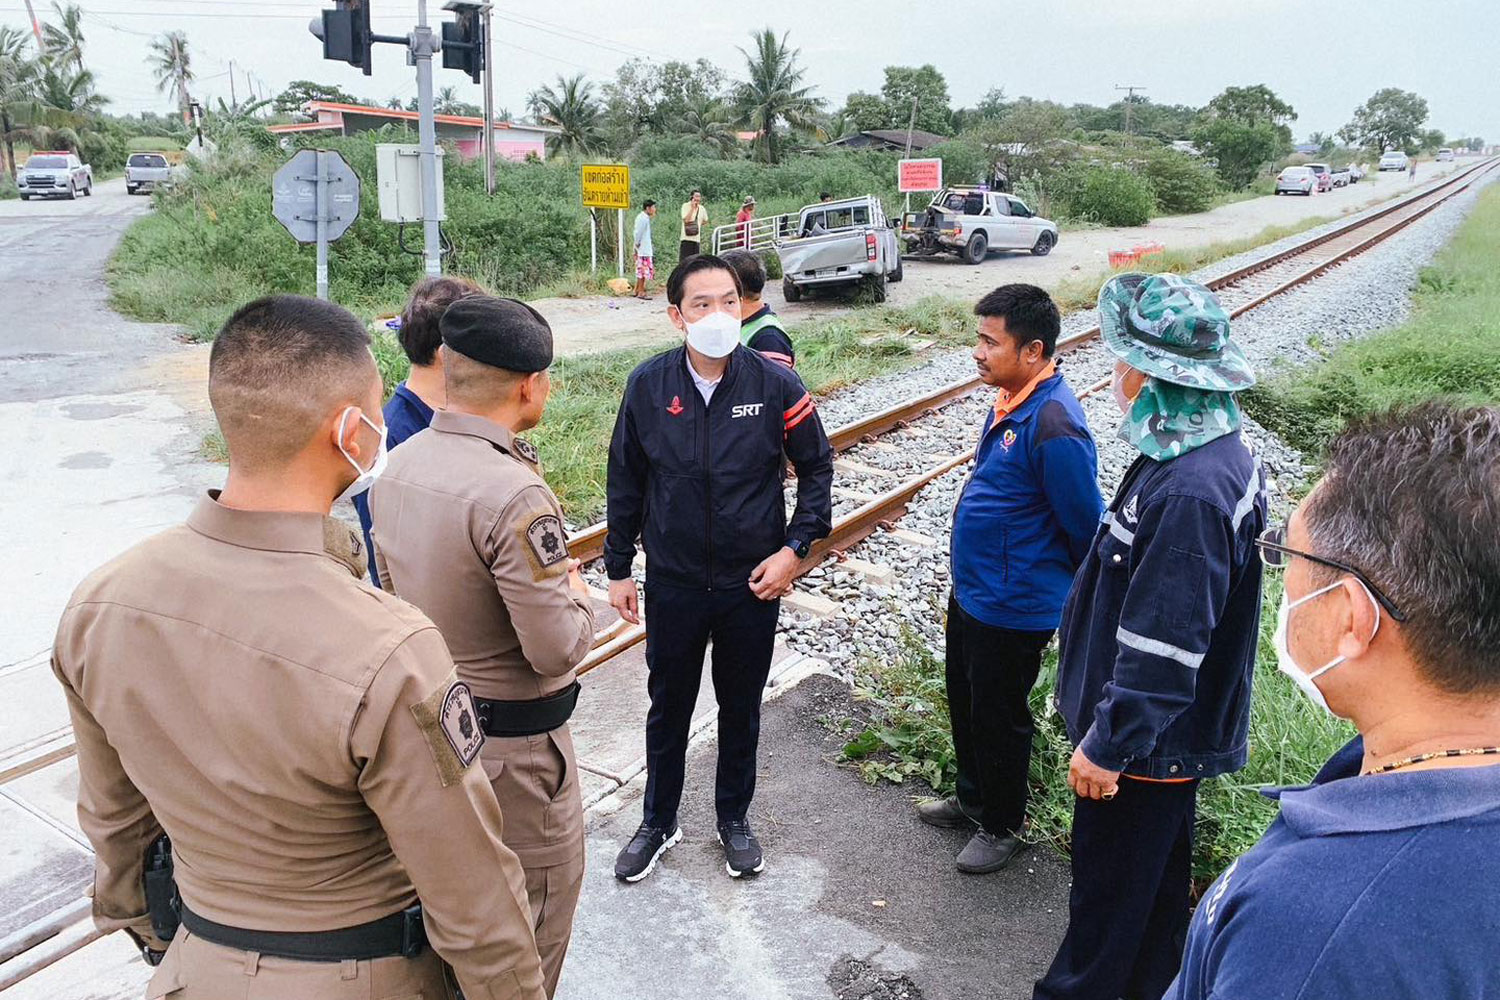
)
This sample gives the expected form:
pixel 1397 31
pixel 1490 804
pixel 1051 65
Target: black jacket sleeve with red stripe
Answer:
pixel 812 456
pixel 774 344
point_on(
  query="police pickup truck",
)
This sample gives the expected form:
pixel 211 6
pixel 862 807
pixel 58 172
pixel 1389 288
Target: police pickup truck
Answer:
pixel 54 175
pixel 972 221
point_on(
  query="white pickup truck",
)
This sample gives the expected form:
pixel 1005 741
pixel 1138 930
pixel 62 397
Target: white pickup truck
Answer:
pixel 54 175
pixel 145 171
pixel 972 221
pixel 830 244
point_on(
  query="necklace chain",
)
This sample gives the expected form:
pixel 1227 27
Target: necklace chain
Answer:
pixel 1434 755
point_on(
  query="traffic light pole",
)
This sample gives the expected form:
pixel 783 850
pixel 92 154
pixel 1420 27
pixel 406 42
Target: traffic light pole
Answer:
pixel 423 46
pixel 489 107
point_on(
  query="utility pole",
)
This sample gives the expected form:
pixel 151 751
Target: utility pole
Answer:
pixel 233 101
pixel 1129 103
pixel 911 122
pixel 489 106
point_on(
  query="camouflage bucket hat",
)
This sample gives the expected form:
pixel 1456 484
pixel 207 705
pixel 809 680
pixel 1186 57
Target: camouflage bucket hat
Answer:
pixel 1174 329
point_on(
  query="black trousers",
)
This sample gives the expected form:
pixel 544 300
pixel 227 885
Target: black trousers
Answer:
pixel 1128 911
pixel 743 630
pixel 688 248
pixel 990 672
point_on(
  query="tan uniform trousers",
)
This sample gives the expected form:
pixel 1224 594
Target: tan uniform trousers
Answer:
pixel 195 969
pixel 536 783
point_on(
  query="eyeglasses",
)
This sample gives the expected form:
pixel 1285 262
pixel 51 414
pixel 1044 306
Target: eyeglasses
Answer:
pixel 1275 554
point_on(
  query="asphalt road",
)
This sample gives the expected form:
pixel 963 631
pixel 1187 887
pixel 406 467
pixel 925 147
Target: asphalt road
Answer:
pixel 95 454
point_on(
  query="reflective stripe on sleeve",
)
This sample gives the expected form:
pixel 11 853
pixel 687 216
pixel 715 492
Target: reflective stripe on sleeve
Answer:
pixel 1155 647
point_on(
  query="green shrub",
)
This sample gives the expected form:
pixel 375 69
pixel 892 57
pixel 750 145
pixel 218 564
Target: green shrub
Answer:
pixel 7 189
pixel 1181 183
pixel 964 161
pixel 1110 196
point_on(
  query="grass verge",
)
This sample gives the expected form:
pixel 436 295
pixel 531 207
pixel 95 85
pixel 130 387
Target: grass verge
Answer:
pixel 902 735
pixel 1449 347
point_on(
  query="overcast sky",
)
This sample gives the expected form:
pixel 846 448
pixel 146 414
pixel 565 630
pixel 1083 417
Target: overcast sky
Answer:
pixel 1324 57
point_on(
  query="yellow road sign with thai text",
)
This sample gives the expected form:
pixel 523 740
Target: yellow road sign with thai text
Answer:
pixel 606 185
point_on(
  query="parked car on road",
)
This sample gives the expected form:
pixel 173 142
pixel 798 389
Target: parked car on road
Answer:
pixel 144 171
pixel 1444 155
pixel 970 222
pixel 1393 159
pixel 1324 173
pixel 1297 180
pixel 1356 173
pixel 830 244
pixel 54 175
pixel 1341 177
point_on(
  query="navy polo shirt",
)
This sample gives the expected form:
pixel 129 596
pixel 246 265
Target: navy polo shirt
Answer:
pixel 1364 887
pixel 405 415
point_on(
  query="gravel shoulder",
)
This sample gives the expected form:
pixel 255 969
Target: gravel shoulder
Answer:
pixel 601 323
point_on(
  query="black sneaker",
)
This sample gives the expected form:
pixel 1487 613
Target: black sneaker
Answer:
pixel 741 850
pixel 640 855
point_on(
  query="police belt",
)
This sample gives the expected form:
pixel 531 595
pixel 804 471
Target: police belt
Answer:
pixel 398 935
pixel 527 718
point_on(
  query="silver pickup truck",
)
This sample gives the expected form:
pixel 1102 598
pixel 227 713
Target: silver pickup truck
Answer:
pixel 827 245
pixel 144 171
pixel 54 175
pixel 970 222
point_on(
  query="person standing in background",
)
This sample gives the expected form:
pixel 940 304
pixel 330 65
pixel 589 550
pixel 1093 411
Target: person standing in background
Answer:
pixel 1024 522
pixel 645 260
pixel 744 217
pixel 410 407
pixel 760 328
pixel 694 219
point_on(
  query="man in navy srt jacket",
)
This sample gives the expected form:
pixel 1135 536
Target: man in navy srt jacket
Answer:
pixel 695 471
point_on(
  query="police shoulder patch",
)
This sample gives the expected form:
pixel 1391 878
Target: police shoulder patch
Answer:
pixel 526 450
pixel 449 721
pixel 546 543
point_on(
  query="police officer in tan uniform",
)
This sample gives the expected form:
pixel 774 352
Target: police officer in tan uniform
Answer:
pixel 466 529
pixel 299 735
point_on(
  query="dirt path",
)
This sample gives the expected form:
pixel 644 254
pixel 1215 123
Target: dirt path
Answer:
pixel 591 325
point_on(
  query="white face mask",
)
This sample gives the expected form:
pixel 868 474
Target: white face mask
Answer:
pixel 715 335
pixel 366 477
pixel 1117 386
pixel 1288 666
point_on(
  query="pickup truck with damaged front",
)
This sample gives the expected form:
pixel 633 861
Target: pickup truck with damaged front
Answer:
pixel 970 222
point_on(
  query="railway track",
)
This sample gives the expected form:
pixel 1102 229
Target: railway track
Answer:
pixel 60 934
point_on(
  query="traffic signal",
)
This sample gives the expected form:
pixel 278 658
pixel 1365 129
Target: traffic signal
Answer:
pixel 345 32
pixel 463 42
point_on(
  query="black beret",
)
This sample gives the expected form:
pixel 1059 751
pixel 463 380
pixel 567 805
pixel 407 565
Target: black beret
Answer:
pixel 502 333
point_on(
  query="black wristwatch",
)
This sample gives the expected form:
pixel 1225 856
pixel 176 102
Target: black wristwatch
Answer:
pixel 801 548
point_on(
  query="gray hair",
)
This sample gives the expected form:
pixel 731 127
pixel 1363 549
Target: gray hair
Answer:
pixel 1412 498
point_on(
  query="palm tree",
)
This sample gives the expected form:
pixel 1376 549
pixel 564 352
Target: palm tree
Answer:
pixel 447 102
pixel 394 104
pixel 570 106
pixel 18 79
pixel 172 65
pixel 64 40
pixel 707 120
pixel 835 126
pixel 69 98
pixel 773 93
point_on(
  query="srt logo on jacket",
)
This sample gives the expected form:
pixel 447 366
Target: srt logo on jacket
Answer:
pixel 746 410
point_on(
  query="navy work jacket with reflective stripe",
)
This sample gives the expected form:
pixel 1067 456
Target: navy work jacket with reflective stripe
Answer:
pixel 1160 629
pixel 701 483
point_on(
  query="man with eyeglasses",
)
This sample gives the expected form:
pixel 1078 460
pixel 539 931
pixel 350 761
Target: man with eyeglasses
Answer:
pixel 1158 638
pixel 1378 878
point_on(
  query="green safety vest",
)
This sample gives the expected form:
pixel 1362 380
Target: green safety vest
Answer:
pixel 750 329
